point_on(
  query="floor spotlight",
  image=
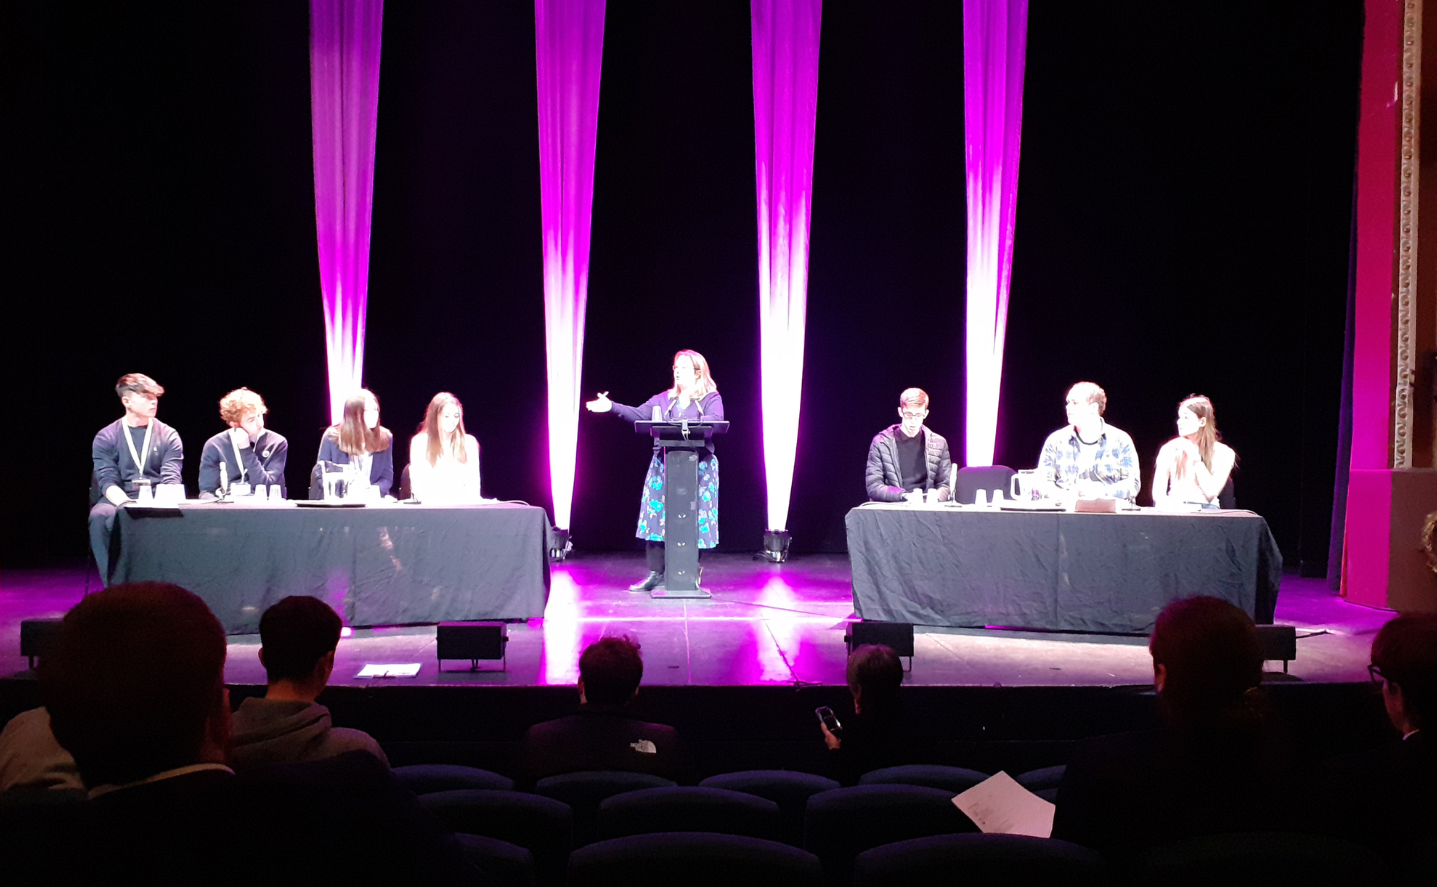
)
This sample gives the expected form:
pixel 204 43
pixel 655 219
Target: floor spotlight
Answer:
pixel 775 546
pixel 559 544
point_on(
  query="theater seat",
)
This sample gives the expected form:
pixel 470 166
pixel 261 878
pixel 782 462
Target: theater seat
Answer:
pixel 1044 778
pixel 542 826
pixel 688 808
pixel 692 859
pixel 844 822
pixel 585 790
pixel 1259 859
pixel 789 789
pixel 1010 860
pixel 502 864
pixel 423 779
pixel 950 779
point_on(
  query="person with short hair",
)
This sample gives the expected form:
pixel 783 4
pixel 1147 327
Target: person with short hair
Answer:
pixel 135 450
pixel 250 452
pixel 1194 466
pixel 602 735
pixel 298 639
pixel 360 440
pixel 1213 767
pixel 906 460
pixel 443 457
pixel 1088 458
pixel 876 736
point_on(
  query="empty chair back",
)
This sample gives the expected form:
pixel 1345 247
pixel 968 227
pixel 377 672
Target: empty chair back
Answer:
pixel 1010 860
pixel 502 864
pixel 423 779
pixel 989 478
pixel 950 779
pixel 789 789
pixel 692 859
pixel 585 790
pixel 844 822
pixel 1259 858
pixel 1042 778
pixel 688 809
pixel 543 826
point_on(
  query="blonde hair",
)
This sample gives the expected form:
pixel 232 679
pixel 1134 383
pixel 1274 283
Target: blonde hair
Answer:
pixel 437 443
pixel 240 403
pixel 704 383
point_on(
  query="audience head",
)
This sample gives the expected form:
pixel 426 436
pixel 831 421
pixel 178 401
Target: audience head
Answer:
pixel 1206 656
pixel 874 676
pixel 135 683
pixel 1086 403
pixel 242 408
pixel 139 394
pixel 1404 655
pixel 298 637
pixel 444 427
pixel 610 670
pixel 359 430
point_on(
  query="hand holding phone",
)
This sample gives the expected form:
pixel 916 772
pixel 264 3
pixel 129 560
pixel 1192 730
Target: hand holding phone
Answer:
pixel 828 719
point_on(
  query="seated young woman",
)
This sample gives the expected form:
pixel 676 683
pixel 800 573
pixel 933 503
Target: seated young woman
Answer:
pixel 1194 466
pixel 360 440
pixel 443 458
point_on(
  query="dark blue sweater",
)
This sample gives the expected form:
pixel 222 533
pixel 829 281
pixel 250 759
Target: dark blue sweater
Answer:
pixel 381 467
pixel 263 461
pixel 114 467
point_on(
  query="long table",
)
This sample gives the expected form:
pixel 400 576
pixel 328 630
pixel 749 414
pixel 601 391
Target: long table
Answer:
pixel 385 564
pixel 1104 573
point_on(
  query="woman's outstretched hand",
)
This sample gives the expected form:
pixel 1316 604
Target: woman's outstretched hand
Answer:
pixel 600 404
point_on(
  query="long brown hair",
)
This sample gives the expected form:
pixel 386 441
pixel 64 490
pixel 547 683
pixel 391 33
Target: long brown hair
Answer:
pixel 437 443
pixel 1207 434
pixel 704 383
pixel 356 438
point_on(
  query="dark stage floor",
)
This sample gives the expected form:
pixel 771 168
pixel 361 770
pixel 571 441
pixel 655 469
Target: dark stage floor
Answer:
pixel 765 625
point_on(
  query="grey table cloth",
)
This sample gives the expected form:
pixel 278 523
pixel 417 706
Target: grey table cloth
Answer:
pixel 378 565
pixel 1108 573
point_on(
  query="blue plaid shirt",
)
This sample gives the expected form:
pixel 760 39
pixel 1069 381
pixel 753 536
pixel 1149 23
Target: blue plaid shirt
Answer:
pixel 1114 466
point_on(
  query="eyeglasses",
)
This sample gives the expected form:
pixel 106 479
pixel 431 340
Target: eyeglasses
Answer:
pixel 1375 673
pixel 910 414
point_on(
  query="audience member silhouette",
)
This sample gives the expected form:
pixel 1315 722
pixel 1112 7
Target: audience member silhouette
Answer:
pixel 602 735
pixel 31 759
pixel 1213 767
pixel 876 735
pixel 298 638
pixel 135 691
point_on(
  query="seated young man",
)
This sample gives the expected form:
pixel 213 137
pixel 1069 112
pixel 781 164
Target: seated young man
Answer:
pixel 906 460
pixel 298 637
pixel 602 736
pixel 135 690
pixel 1214 767
pixel 251 453
pixel 134 449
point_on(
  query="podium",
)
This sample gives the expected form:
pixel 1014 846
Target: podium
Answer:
pixel 681 440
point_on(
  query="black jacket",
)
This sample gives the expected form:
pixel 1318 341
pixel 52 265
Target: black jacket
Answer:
pixel 883 477
pixel 603 737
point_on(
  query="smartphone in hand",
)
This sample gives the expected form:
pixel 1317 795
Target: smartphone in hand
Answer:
pixel 829 720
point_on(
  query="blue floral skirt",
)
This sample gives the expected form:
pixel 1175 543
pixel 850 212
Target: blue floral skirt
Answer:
pixel 651 506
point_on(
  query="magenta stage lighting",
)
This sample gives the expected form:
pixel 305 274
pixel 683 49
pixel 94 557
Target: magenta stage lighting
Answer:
pixel 344 100
pixel 785 100
pixel 994 44
pixel 569 44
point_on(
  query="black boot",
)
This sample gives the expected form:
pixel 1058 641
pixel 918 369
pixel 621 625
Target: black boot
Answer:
pixel 652 581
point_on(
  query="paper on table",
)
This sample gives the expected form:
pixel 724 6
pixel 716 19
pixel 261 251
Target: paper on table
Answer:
pixel 999 805
pixel 396 670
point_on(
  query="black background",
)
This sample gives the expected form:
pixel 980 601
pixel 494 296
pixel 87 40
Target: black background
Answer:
pixel 1183 224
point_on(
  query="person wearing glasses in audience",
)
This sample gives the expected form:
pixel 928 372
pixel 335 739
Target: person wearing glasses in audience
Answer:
pixel 133 451
pixel 906 460
pixel 360 440
pixel 1088 458
pixel 443 458
pixel 1194 466
pixel 694 397
pixel 251 453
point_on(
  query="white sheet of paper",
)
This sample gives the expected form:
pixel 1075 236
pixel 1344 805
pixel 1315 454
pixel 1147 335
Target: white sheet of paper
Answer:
pixel 999 805
pixel 392 670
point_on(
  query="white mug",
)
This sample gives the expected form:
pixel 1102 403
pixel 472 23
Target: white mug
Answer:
pixel 1024 484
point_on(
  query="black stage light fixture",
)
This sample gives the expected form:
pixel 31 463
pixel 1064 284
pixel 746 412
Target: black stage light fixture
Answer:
pixel 472 641
pixel 898 635
pixel 37 636
pixel 775 546
pixel 1278 642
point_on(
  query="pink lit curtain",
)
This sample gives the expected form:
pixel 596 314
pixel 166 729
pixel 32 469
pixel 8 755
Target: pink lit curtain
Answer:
pixel 785 100
pixel 344 98
pixel 994 44
pixel 569 44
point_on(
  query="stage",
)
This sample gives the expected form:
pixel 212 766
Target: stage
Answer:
pixel 766 625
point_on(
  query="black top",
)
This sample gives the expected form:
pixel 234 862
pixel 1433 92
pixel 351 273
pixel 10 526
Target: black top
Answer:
pixel 603 737
pixel 263 464
pixel 115 467
pixel 912 468
pixel 868 742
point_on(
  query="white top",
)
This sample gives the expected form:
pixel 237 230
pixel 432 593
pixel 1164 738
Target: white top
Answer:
pixel 450 482
pixel 1191 482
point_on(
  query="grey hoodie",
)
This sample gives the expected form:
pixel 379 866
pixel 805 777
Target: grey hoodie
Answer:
pixel 267 731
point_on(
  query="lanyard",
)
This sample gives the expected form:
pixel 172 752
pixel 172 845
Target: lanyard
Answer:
pixel 238 460
pixel 130 442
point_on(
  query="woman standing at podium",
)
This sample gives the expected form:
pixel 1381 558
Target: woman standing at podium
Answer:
pixel 695 397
